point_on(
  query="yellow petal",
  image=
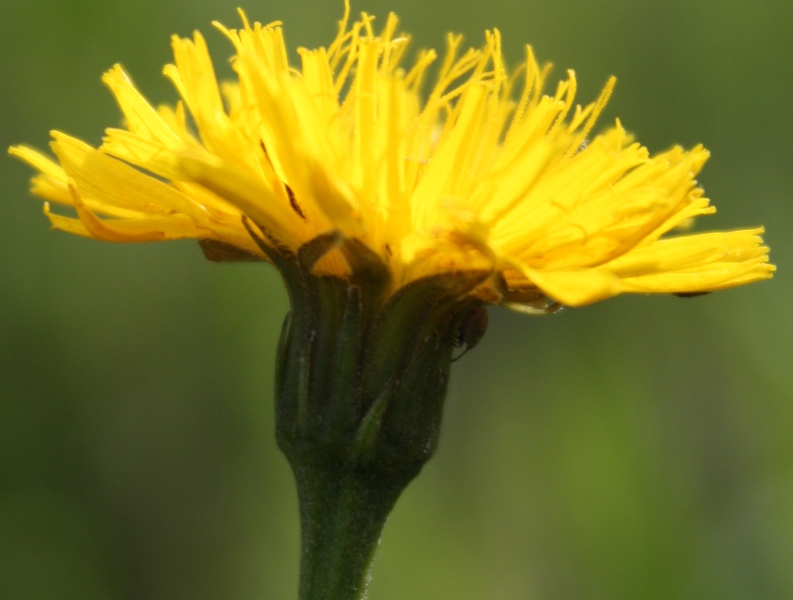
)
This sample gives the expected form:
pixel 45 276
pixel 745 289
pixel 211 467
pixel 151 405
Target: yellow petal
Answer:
pixel 113 183
pixel 575 287
pixel 250 196
pixel 142 119
pixel 150 229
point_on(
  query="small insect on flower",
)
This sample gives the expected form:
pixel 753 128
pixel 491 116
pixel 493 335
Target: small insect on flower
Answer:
pixel 471 330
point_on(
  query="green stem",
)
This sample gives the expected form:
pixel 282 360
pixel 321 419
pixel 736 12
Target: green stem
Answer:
pixel 342 513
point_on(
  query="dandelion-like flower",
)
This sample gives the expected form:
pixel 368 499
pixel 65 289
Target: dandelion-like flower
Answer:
pixel 394 218
pixel 485 174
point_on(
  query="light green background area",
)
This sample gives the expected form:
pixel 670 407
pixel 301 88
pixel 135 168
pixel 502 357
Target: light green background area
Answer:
pixel 638 448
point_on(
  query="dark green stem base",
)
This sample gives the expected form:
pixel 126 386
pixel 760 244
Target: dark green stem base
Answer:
pixel 342 514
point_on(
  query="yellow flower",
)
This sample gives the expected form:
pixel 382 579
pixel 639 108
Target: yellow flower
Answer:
pixel 485 174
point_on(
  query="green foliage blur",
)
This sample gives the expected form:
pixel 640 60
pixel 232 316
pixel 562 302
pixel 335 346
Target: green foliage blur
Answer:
pixel 638 448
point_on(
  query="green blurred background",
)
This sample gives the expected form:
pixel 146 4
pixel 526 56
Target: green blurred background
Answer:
pixel 638 448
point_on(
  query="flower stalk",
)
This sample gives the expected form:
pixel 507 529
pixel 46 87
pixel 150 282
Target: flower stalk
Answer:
pixel 342 514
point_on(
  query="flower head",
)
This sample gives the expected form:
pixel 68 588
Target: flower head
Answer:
pixel 487 173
